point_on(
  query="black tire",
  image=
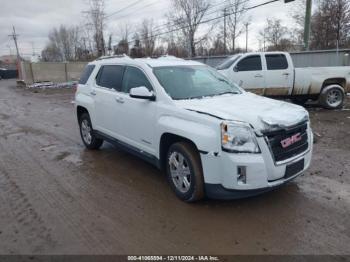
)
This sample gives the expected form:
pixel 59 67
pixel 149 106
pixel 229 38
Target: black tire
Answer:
pixel 192 163
pixel 332 91
pixel 93 143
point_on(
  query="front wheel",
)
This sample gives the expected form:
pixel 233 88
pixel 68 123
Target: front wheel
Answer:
pixel 87 134
pixel 332 97
pixel 184 171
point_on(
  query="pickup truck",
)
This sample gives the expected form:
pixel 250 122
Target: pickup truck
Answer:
pixel 210 137
pixel 273 74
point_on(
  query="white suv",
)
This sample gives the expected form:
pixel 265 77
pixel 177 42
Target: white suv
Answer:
pixel 211 137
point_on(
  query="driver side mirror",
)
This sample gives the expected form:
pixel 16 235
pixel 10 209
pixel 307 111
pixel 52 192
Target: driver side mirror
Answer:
pixel 235 68
pixel 142 93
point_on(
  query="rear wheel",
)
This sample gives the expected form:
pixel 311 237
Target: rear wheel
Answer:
pixel 184 171
pixel 87 133
pixel 332 97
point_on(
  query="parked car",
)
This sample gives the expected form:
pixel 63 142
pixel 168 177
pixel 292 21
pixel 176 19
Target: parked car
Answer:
pixel 273 74
pixel 2 73
pixel 209 136
pixel 7 73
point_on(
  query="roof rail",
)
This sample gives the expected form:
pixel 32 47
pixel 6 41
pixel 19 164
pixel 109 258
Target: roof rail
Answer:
pixel 170 57
pixel 112 56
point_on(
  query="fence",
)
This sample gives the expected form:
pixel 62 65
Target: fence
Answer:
pixel 65 72
pixel 54 72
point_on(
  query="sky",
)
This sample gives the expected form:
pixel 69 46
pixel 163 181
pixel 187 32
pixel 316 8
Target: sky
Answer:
pixel 33 19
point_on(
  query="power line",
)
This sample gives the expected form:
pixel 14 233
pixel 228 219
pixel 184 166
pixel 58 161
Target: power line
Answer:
pixel 124 8
pixel 173 24
pixel 213 19
pixel 141 8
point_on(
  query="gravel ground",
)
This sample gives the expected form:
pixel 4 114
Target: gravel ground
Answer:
pixel 58 198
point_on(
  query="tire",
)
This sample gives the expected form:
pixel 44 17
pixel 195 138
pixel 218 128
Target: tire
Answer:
pixel 87 133
pixel 190 187
pixel 332 97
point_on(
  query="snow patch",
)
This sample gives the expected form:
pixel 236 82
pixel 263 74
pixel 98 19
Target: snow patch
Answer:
pixel 51 85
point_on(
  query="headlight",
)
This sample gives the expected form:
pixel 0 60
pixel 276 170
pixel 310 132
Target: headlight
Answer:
pixel 238 138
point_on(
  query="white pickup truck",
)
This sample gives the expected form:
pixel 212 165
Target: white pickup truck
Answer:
pixel 273 74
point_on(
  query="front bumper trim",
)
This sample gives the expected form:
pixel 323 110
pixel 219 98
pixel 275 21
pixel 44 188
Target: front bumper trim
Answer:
pixel 217 191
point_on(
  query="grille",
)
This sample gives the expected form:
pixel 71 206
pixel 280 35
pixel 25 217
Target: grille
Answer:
pixel 275 138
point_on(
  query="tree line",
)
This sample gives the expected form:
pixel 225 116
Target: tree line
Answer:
pixel 192 28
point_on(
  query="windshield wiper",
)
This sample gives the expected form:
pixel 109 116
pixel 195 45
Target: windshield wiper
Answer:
pixel 228 92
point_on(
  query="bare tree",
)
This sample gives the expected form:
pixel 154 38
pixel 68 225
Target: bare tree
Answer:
pixel 147 36
pixel 51 53
pixel 123 44
pixel 174 40
pixel 298 15
pixel 96 17
pixel 187 15
pixel 331 24
pixel 275 34
pixel 137 50
pixel 235 20
pixel 218 47
pixel 63 44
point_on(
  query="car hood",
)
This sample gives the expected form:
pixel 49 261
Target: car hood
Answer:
pixel 262 113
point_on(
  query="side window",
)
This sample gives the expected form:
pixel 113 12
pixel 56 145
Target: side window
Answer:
pixel 134 77
pixel 250 63
pixel 276 62
pixel 86 74
pixel 111 76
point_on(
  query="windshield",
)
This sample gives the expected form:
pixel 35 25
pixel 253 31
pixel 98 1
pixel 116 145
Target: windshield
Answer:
pixel 187 82
pixel 228 62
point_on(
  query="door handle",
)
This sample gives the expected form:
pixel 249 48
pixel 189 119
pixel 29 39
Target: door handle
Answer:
pixel 93 93
pixel 119 100
pixel 286 74
pixel 258 75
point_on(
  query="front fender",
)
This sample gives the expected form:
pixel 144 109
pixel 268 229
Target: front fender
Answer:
pixel 205 137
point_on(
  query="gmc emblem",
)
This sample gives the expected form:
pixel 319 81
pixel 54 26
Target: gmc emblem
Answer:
pixel 291 140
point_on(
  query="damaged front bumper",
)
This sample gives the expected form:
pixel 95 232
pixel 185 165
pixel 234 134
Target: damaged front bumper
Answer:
pixel 263 173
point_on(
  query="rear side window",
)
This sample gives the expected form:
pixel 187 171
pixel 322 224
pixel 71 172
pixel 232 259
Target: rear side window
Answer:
pixel 134 77
pixel 86 74
pixel 250 63
pixel 111 76
pixel 276 62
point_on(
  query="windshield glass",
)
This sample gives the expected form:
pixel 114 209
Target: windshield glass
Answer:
pixel 228 62
pixel 187 82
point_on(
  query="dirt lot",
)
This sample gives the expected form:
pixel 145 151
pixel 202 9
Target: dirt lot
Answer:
pixel 58 198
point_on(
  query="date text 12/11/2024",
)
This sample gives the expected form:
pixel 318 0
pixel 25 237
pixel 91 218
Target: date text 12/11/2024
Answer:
pixel 173 258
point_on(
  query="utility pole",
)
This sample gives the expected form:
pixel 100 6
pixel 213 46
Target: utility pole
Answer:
pixel 307 24
pixel 21 71
pixel 225 34
pixel 14 36
pixel 246 37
